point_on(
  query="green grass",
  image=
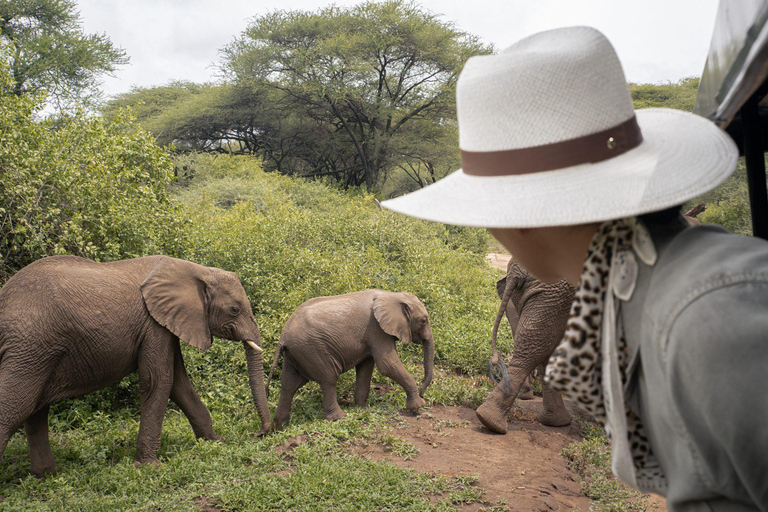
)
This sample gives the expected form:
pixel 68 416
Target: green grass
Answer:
pixel 95 454
pixel 591 459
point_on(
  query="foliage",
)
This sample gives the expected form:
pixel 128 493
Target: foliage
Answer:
pixel 201 117
pixel 728 204
pixel 680 95
pixel 591 459
pixel 51 53
pixel 290 241
pixel 246 473
pixel 347 93
pixel 87 187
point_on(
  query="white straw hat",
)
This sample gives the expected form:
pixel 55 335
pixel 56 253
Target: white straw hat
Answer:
pixel 549 137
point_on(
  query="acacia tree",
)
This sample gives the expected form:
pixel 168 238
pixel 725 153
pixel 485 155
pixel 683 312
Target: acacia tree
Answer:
pixel 49 51
pixel 358 77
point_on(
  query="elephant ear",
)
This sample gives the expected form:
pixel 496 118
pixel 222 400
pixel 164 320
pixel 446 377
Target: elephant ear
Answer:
pixel 177 295
pixel 393 311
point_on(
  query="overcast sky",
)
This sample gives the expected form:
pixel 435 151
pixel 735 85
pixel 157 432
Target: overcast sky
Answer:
pixel 657 40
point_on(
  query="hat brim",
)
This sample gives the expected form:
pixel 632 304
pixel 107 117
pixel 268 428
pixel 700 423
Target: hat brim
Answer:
pixel 681 157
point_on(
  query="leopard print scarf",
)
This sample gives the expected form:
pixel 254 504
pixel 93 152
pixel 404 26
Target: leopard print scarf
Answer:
pixel 590 365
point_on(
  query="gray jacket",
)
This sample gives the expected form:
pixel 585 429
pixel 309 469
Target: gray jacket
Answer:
pixel 697 332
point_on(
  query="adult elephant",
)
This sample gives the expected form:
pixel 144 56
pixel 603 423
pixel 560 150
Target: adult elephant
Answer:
pixel 69 326
pixel 537 314
pixel 327 336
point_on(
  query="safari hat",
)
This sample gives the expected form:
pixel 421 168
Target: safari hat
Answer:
pixel 549 137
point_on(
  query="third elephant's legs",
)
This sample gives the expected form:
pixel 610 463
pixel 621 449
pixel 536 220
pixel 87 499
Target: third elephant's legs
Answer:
pixel 554 414
pixel 21 389
pixel 331 409
pixel 493 412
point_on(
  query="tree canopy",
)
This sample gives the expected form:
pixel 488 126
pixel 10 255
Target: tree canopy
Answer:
pixel 349 93
pixel 50 52
pixel 364 76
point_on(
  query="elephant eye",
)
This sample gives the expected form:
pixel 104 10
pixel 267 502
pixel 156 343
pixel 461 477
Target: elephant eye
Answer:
pixel 234 310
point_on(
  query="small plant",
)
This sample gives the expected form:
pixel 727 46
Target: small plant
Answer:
pixel 399 447
pixel 466 490
pixel 591 459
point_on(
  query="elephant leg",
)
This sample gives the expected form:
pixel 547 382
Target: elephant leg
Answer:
pixel 156 362
pixel 185 396
pixel 554 414
pixel 526 388
pixel 331 408
pixel 290 382
pixel 493 412
pixel 363 374
pixel 389 364
pixel 21 389
pixel 40 455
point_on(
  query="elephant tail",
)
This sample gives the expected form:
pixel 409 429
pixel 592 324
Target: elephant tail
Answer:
pixel 495 362
pixel 274 363
pixel 499 315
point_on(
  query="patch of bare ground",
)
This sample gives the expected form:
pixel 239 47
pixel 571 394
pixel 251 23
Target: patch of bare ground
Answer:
pixel 522 469
pixel 498 260
pixel 206 504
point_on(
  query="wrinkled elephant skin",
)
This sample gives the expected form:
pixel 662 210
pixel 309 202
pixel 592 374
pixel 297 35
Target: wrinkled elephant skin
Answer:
pixel 328 336
pixel 537 313
pixel 69 326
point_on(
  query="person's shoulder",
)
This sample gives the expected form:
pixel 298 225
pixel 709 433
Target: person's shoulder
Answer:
pixel 697 261
pixel 706 256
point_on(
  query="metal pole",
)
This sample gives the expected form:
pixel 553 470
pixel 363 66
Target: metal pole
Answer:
pixel 755 160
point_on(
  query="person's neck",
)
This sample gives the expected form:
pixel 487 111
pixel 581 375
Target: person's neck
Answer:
pixel 571 250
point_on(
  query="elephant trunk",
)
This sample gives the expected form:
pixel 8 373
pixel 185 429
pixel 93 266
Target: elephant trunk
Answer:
pixel 429 364
pixel 256 380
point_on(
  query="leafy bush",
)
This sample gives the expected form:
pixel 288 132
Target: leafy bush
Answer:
pixel 82 186
pixel 591 459
pixel 290 240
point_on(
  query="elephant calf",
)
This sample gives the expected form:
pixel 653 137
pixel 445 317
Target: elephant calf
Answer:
pixel 327 336
pixel 69 326
pixel 537 313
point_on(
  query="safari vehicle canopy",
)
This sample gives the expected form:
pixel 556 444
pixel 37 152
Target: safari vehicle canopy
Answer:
pixel 733 92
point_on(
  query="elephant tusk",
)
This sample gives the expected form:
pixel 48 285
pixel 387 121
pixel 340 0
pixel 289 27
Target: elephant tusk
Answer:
pixel 255 346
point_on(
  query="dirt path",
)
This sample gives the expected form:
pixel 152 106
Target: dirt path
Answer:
pixel 523 469
pixel 498 260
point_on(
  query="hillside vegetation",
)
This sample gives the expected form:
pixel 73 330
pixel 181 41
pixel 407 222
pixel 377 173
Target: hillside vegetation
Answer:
pixel 278 185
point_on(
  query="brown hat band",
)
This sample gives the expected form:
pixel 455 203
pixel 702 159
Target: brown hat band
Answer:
pixel 591 148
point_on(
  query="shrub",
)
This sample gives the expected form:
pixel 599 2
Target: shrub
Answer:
pixel 82 186
pixel 290 240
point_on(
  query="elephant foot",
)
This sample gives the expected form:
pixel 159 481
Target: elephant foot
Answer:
pixel 493 412
pixel 526 395
pixel 263 431
pixel 42 472
pixel 213 437
pixel 362 406
pixel 415 403
pixel 494 419
pixel 526 389
pixel 146 461
pixel 559 418
pixel 335 415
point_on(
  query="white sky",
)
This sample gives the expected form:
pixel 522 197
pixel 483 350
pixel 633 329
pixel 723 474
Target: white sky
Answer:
pixel 657 40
